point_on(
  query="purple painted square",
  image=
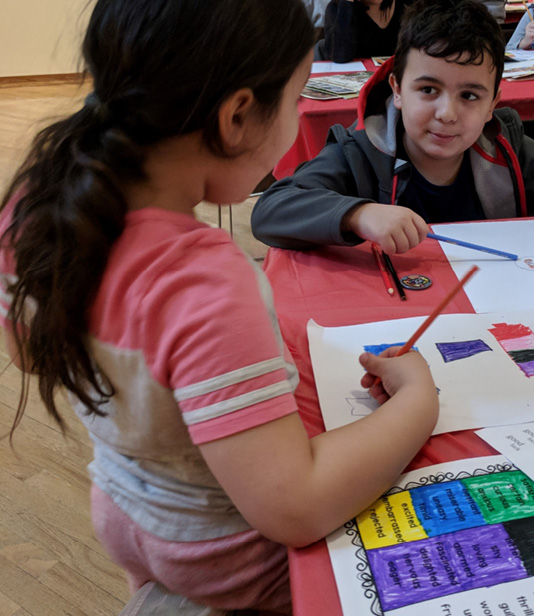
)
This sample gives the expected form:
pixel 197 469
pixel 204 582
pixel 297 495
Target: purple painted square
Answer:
pixel 416 571
pixel 451 351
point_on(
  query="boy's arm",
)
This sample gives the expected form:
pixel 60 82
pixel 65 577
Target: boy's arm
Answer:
pixel 518 34
pixel 324 204
pixel 307 209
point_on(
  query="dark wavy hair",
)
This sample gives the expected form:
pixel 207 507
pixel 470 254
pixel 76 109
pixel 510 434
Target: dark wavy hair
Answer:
pixel 460 30
pixel 160 68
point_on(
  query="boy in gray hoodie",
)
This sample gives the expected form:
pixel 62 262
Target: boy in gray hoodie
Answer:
pixel 429 145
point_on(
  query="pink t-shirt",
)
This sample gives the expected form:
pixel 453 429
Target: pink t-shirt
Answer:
pixel 183 327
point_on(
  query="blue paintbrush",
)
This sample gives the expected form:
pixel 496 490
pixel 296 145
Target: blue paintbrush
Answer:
pixel 491 251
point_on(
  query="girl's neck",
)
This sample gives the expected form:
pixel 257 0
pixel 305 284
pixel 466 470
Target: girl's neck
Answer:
pixel 381 18
pixel 176 172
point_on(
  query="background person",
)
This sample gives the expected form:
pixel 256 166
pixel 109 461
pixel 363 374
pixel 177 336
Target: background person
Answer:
pixel 523 36
pixel 316 11
pixel 360 29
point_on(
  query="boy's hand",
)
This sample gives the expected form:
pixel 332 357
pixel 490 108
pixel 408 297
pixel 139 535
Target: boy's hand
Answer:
pixel 394 228
pixel 409 371
pixel 528 39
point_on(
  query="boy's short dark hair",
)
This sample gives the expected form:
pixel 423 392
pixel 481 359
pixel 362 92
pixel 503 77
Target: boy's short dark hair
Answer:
pixel 450 29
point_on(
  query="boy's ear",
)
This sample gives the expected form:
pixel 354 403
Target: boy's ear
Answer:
pixel 234 116
pixel 396 91
pixel 494 104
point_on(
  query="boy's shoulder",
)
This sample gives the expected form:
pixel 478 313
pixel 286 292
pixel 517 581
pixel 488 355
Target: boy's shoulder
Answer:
pixel 511 125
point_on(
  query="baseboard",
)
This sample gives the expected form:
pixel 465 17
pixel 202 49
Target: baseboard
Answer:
pixel 45 80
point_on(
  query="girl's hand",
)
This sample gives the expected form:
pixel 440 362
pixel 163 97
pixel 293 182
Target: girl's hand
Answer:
pixel 396 229
pixel 407 371
pixel 293 488
pixel 528 39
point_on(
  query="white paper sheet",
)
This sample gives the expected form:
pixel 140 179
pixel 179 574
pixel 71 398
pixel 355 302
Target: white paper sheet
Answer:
pixel 500 284
pixel 518 70
pixel 485 389
pixel 514 442
pixel 336 67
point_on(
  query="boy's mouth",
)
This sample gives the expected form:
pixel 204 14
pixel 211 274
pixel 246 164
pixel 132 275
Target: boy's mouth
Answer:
pixel 441 137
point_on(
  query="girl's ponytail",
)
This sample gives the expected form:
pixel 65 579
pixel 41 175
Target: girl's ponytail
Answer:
pixel 69 213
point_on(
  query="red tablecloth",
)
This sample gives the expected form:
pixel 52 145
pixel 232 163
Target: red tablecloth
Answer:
pixel 342 286
pixel 513 17
pixel 316 117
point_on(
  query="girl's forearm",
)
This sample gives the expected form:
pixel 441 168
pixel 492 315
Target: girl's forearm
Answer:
pixel 295 490
pixel 365 461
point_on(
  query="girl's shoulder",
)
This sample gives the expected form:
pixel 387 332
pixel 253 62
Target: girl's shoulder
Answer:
pixel 157 221
pixel 168 236
pixel 167 258
pixel 158 242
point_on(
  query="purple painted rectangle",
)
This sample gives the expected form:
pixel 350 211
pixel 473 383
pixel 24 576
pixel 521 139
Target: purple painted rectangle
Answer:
pixel 451 351
pixel 416 571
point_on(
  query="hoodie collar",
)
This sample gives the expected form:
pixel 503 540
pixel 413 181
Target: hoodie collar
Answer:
pixel 379 77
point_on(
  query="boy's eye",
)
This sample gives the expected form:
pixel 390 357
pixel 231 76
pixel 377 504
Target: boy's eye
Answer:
pixel 469 96
pixel 428 90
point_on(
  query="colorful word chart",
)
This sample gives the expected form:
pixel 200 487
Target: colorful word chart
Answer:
pixel 454 539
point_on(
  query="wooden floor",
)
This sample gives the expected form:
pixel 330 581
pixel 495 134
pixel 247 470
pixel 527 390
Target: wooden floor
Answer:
pixel 50 562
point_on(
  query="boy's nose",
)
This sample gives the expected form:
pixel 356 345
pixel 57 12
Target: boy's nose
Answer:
pixel 446 109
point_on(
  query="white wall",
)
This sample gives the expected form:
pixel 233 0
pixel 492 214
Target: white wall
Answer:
pixel 41 37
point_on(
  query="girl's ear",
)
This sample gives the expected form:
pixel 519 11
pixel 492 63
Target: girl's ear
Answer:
pixel 235 115
pixel 396 91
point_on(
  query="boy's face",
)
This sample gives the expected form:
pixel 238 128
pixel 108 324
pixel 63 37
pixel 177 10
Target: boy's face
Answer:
pixel 444 106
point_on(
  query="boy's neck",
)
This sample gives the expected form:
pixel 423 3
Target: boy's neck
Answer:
pixel 436 171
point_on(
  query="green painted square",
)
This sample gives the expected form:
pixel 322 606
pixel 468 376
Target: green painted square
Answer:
pixel 502 496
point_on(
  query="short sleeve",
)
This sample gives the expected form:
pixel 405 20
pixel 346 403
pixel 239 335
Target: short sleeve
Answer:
pixel 182 316
pixel 210 337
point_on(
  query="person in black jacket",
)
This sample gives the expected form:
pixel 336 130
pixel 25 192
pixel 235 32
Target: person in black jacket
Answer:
pixel 360 29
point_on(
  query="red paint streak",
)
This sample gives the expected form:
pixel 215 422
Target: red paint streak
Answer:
pixel 505 331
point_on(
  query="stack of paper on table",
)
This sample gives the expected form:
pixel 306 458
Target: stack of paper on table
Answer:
pixel 337 67
pixel 346 85
pixel 518 55
pixel 518 70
